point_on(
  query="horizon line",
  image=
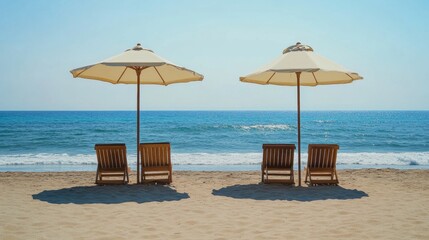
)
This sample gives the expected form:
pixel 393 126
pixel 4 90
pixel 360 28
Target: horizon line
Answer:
pixel 219 110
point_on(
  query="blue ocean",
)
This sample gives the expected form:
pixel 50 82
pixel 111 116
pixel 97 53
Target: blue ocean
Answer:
pixel 211 140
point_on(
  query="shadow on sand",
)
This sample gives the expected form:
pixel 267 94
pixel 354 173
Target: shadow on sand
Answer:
pixel 289 193
pixel 111 194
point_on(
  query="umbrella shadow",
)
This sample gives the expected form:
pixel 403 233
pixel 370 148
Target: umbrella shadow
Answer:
pixel 111 194
pixel 288 193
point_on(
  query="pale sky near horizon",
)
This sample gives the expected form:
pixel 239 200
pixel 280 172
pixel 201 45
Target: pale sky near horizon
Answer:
pixel 386 42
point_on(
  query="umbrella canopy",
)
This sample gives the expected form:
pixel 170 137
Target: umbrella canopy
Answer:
pixel 299 66
pixel 137 66
pixel 122 69
pixel 315 69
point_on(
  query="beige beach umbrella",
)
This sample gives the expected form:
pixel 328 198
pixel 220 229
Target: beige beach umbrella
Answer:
pixel 137 66
pixel 299 66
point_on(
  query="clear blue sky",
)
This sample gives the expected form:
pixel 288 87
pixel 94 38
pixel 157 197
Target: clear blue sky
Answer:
pixel 387 42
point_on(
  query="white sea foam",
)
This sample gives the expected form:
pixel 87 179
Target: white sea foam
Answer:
pixel 324 121
pixel 48 159
pixel 267 127
pixel 361 158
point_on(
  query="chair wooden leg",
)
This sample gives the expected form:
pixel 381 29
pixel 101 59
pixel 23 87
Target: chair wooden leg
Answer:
pixel 262 175
pixel 336 176
pixel 96 176
pixel 291 174
pixel 306 175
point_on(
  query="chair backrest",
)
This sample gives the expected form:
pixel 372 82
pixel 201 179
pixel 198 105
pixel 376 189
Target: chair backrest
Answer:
pixel 322 155
pixel 155 154
pixel 111 156
pixel 278 155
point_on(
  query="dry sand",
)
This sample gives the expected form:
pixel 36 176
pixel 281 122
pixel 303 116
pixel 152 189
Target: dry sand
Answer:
pixel 368 204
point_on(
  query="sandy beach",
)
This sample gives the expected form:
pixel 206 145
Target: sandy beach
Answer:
pixel 369 203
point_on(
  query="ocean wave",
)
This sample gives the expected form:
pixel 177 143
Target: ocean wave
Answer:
pixel 267 127
pixel 48 159
pixel 360 158
pixel 323 121
pixel 216 127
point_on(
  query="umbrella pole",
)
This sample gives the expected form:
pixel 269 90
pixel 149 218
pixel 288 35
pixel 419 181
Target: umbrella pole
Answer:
pixel 138 71
pixel 298 75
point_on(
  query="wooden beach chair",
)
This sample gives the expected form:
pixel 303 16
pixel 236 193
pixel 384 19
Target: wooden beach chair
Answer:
pixel 321 164
pixel 112 163
pixel 156 163
pixel 277 163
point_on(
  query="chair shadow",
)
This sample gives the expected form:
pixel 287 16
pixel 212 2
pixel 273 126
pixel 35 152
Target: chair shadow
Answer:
pixel 111 194
pixel 288 193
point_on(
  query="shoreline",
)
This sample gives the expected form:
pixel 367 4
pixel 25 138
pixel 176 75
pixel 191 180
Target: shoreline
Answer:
pixel 225 160
pixel 368 203
pixel 196 167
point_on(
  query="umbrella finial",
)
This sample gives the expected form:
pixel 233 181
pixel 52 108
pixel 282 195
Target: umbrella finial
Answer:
pixel 138 47
pixel 298 47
